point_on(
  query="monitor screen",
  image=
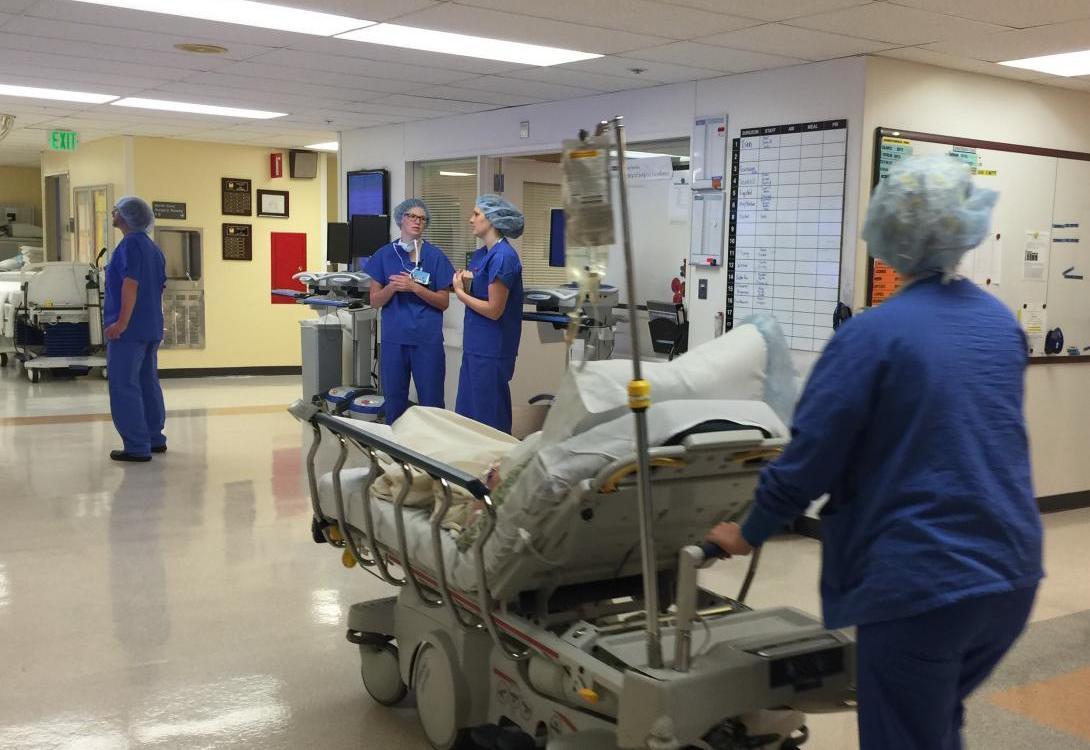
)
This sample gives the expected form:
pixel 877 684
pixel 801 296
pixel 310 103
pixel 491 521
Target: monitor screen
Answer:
pixel 368 193
pixel 338 247
pixel 369 233
pixel 556 238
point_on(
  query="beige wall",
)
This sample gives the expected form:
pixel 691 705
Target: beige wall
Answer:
pixel 243 329
pixel 333 193
pixel 105 162
pixel 22 186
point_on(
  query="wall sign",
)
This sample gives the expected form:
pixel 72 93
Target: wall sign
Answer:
pixel 236 199
pixel 238 242
pixel 272 203
pixel 786 226
pixel 168 210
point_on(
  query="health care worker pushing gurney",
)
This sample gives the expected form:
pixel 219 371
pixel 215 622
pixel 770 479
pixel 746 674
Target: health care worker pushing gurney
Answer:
pixel 538 621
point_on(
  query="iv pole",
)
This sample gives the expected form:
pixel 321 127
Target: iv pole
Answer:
pixel 639 400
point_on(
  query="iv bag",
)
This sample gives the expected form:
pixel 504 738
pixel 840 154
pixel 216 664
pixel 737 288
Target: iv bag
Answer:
pixel 588 210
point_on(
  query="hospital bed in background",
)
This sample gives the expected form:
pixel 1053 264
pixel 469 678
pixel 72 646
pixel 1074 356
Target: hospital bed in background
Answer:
pixel 51 318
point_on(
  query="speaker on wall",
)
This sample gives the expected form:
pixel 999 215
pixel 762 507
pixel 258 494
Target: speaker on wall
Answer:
pixel 303 164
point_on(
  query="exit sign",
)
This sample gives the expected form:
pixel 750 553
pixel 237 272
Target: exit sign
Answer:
pixel 63 140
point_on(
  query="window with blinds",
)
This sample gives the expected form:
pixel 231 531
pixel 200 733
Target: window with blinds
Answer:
pixel 449 187
pixel 538 201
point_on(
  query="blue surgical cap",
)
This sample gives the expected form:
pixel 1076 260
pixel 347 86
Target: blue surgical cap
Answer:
pixel 135 212
pixel 926 214
pixel 403 208
pixel 502 214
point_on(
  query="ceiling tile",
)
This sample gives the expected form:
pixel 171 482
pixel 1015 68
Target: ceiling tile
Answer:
pixel 62 66
pixel 120 38
pixel 325 78
pixel 380 56
pixel 780 39
pixel 492 23
pixel 1017 13
pixel 1014 45
pixel 928 57
pixel 714 58
pixel 515 86
pixel 897 24
pixel 636 16
pixel 270 85
pixel 477 96
pixel 1078 83
pixel 582 79
pixel 15 6
pixel 87 81
pixel 127 55
pixel 651 70
pixel 768 10
pixel 179 28
pixel 433 103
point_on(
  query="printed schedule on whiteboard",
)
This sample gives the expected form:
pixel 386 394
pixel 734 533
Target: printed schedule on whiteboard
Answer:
pixel 786 226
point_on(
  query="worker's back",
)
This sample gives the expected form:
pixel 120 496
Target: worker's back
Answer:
pixel 937 502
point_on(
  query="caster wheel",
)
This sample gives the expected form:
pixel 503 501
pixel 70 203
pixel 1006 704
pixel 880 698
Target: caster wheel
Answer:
pixel 3 359
pixel 33 374
pixel 381 673
pixel 105 375
pixel 436 699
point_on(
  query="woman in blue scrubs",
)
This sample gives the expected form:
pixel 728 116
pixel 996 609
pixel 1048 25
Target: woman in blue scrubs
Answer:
pixel 912 422
pixel 410 283
pixel 132 313
pixel 493 322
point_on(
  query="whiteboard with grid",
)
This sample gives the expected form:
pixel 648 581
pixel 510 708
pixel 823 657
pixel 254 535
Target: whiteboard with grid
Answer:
pixel 786 227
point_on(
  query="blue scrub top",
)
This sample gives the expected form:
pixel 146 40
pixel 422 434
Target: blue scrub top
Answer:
pixel 407 319
pixel 495 338
pixel 137 257
pixel 912 422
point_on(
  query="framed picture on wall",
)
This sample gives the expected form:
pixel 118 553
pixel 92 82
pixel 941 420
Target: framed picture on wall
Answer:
pixel 272 203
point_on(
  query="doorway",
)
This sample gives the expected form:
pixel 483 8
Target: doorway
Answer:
pixel 94 229
pixel 57 222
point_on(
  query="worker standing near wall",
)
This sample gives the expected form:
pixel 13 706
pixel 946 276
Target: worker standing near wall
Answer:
pixel 912 421
pixel 410 283
pixel 132 312
pixel 491 289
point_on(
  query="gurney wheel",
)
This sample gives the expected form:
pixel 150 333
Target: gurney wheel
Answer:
pixel 437 698
pixel 33 374
pixel 381 673
pixel 3 359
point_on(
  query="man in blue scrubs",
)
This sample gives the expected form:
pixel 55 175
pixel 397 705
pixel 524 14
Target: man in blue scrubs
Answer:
pixel 410 282
pixel 493 320
pixel 133 316
pixel 912 422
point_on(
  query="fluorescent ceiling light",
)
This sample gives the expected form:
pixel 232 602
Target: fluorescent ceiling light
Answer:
pixel 247 13
pixel 647 155
pixel 465 45
pixel 1067 64
pixel 329 146
pixel 457 174
pixel 32 92
pixel 198 109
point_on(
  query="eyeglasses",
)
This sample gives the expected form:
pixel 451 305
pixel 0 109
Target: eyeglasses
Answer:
pixel 417 217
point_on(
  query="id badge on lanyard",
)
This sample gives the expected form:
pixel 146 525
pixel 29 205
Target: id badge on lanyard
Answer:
pixel 420 276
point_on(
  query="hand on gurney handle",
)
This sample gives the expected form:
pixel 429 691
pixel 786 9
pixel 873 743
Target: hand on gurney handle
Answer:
pixel 727 537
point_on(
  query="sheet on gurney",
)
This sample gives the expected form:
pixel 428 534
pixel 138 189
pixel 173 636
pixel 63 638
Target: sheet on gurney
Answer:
pixel 588 427
pixel 530 500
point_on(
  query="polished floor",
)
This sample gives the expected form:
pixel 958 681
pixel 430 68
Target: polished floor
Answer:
pixel 181 603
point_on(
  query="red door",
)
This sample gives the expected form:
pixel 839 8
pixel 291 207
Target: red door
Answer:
pixel 289 257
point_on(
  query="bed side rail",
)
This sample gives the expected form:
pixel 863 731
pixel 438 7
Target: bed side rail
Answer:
pixel 447 476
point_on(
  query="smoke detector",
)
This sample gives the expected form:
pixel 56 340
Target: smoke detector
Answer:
pixel 7 122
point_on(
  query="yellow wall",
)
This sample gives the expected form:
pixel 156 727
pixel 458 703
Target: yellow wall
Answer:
pixel 22 186
pixel 96 163
pixel 242 327
pixel 333 179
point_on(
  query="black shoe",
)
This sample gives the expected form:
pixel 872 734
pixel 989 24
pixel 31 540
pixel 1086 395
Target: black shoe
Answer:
pixel 123 456
pixel 158 449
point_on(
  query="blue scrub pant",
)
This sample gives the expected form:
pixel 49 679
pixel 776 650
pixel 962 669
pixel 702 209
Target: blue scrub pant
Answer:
pixel 136 400
pixel 915 673
pixel 425 363
pixel 484 390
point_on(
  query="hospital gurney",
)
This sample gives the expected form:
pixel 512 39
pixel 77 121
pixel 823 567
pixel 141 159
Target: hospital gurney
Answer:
pixel 535 634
